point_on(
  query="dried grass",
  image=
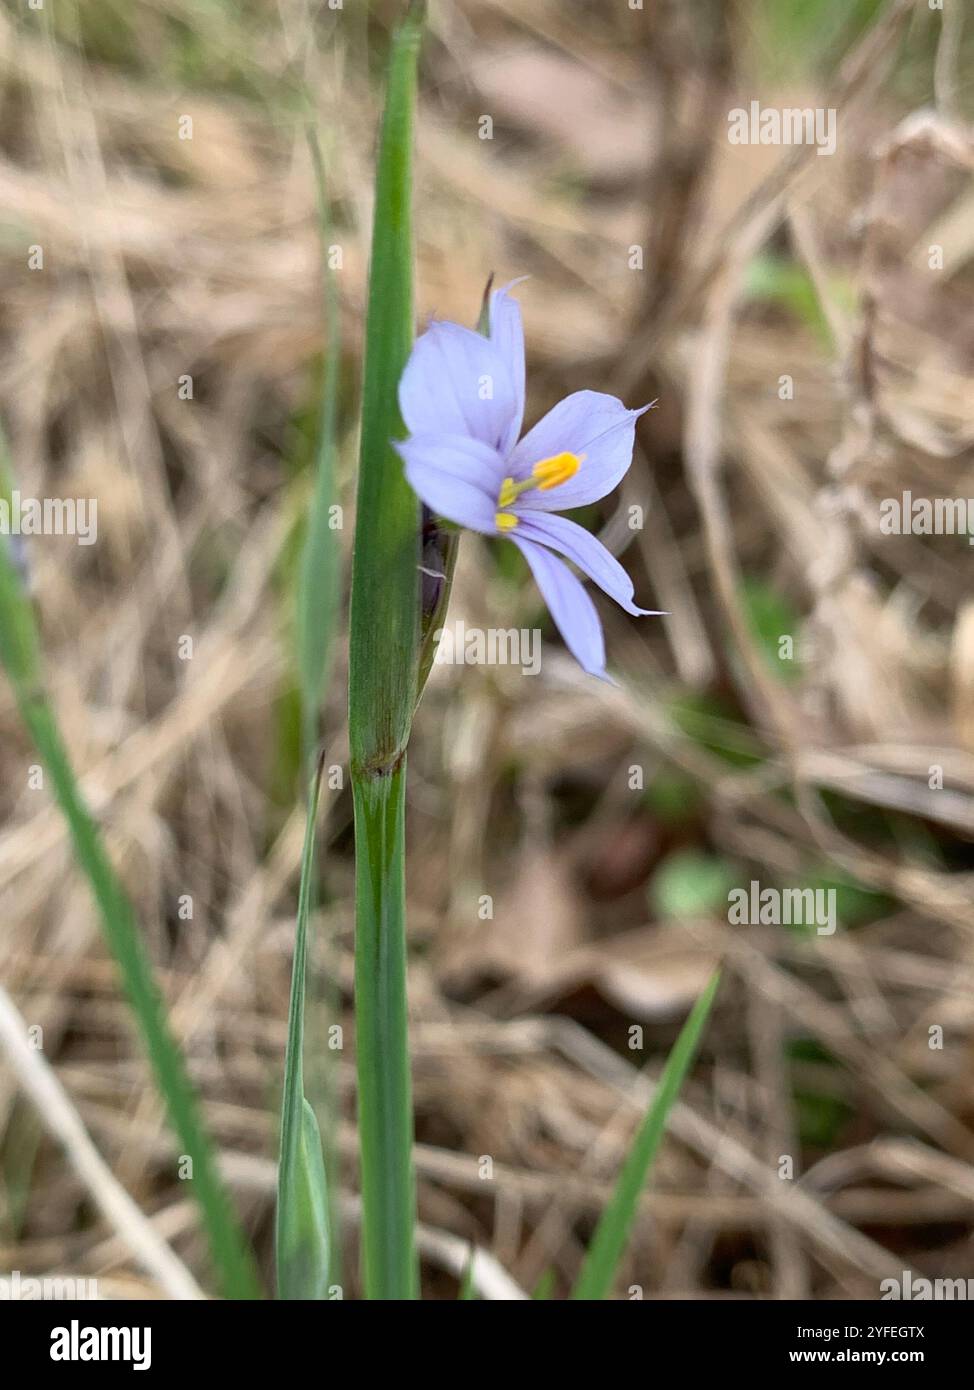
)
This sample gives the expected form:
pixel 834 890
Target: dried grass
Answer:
pixel 165 257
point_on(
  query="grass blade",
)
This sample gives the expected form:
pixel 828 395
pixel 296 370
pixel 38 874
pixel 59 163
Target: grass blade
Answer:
pixel 384 633
pixel 383 650
pixel 612 1232
pixel 319 583
pixel 319 568
pixel 20 654
pixel 302 1225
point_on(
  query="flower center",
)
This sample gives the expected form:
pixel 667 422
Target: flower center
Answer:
pixel 549 473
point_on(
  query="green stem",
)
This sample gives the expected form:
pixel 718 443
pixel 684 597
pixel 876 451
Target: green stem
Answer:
pixel 384 636
pixel 382 1039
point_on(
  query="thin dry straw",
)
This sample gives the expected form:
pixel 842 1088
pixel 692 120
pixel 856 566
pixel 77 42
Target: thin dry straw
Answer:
pixel 65 1124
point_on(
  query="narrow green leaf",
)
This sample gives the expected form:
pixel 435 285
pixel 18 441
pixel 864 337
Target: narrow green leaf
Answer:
pixel 383 650
pixel 303 1235
pixel 319 585
pixel 20 654
pixel 319 569
pixel 302 1227
pixel 612 1232
pixel 385 610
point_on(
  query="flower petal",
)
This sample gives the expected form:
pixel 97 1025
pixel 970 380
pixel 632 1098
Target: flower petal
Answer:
pixel 584 550
pixel 587 423
pixel 507 335
pixel 570 606
pixel 456 382
pixel 456 477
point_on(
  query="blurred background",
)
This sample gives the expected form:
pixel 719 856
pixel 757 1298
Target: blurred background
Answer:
pixel 804 717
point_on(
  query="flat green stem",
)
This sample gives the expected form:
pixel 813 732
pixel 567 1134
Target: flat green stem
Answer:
pixel 384 638
pixel 382 1039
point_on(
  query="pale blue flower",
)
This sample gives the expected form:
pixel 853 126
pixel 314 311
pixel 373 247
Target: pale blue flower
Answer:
pixel 462 400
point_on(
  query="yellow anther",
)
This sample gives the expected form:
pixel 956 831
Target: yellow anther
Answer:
pixel 545 475
pixel 553 472
pixel 507 494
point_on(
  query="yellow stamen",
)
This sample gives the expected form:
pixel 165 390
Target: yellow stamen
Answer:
pixel 558 469
pixel 507 494
pixel 545 475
